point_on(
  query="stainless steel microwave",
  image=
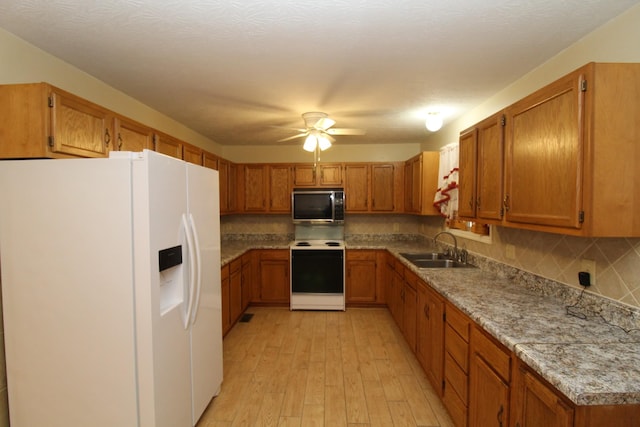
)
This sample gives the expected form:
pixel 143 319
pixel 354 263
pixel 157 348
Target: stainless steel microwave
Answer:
pixel 320 205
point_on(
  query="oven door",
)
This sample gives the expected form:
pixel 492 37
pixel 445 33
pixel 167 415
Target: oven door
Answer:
pixel 317 271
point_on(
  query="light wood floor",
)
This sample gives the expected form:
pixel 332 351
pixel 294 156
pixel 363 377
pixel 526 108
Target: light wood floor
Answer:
pixel 308 368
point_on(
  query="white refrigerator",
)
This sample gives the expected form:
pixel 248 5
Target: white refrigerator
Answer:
pixel 111 290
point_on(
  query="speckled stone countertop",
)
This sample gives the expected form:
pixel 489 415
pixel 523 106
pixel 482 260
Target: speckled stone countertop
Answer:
pixel 590 360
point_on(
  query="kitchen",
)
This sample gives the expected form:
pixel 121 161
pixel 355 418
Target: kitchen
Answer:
pixel 552 256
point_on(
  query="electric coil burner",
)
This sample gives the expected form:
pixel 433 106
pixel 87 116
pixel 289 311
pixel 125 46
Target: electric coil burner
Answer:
pixel 317 274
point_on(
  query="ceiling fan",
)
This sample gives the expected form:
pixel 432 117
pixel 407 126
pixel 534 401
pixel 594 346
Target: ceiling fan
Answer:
pixel 318 131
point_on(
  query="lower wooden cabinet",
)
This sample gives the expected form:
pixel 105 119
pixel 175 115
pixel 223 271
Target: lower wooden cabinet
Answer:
pixel 271 284
pixel 235 290
pixel 536 403
pixel 409 308
pixel 225 297
pixel 489 381
pixel 364 277
pixel 430 335
pixel 246 278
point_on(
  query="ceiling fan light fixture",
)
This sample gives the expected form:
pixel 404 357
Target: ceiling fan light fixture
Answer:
pixel 310 143
pixel 434 121
pixel 323 142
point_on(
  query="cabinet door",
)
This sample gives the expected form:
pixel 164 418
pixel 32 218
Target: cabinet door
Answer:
pixel 538 405
pixel 255 188
pixel 416 184
pixel 361 284
pixel 488 396
pixel 304 176
pixel 280 188
pixel 467 174
pixel 168 145
pixel 409 307
pixel 430 335
pixel 132 136
pixel 79 127
pixel 226 298
pixel 235 290
pixel 489 168
pixel 247 279
pixel 544 155
pixel 383 188
pixel 330 175
pixel 232 193
pixel 223 171
pixel 274 276
pixel 209 160
pixel 192 154
pixel 357 187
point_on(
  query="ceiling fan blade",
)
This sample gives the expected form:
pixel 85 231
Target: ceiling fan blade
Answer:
pixel 293 137
pixel 324 123
pixel 346 131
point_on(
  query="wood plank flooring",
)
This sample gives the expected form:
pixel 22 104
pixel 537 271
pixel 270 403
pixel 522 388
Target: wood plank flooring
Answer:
pixel 316 368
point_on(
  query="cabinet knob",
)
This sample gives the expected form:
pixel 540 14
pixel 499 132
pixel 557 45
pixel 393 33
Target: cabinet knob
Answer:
pixel 505 203
pixel 426 310
pixel 107 137
pixel 500 413
pixel 119 141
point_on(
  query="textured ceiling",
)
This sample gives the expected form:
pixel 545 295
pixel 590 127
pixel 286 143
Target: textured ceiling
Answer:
pixel 238 70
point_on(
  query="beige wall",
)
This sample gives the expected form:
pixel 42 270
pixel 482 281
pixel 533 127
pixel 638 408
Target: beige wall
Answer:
pixel 337 153
pixel 22 62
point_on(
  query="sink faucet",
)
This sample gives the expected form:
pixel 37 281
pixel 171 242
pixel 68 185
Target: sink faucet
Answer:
pixel 455 242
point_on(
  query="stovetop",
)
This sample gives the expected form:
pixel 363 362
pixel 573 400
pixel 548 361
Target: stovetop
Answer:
pixel 317 244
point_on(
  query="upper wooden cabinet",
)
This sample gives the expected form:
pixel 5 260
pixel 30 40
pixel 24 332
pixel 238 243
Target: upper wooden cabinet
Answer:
pixel 421 183
pixel 373 187
pixel 39 120
pixel 321 175
pixel 280 186
pixel 168 145
pixel 228 186
pixel 192 154
pixel 132 136
pixel 480 170
pixel 266 188
pixel 210 160
pixel 571 154
pixel 255 184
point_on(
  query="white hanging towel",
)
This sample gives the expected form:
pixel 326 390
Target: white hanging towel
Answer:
pixel 446 199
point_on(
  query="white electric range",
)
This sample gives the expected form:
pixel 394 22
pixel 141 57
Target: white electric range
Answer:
pixel 318 268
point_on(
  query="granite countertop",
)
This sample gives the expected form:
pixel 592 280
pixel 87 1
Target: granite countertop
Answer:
pixel 588 359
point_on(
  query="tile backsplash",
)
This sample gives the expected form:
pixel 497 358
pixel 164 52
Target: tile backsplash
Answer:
pixel 552 256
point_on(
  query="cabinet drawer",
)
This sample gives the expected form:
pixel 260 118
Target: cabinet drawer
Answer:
pixel 493 353
pixel 456 347
pixel 360 254
pixel 458 321
pixel 457 409
pixel 456 378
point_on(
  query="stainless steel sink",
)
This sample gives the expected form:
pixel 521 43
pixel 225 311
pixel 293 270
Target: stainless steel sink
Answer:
pixel 425 256
pixel 434 260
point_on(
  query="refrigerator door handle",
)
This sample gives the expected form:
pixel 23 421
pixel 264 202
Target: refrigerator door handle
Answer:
pixel 192 271
pixel 198 288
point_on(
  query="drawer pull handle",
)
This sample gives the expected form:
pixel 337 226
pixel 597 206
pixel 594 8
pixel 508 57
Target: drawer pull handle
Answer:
pixel 500 413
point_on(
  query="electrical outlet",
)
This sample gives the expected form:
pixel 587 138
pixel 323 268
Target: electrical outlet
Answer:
pixel 510 251
pixel 589 266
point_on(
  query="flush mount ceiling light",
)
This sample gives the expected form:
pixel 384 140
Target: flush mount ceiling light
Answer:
pixel 434 121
